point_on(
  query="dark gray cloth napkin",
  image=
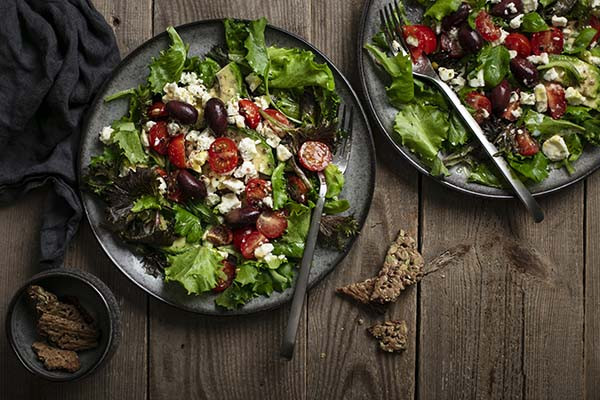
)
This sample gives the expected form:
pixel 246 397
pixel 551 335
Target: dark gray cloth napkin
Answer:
pixel 54 56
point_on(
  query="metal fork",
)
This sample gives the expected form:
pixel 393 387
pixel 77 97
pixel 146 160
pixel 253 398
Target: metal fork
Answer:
pixel 341 157
pixel 422 68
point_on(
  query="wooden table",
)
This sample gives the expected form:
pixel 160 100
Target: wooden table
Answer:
pixel 496 325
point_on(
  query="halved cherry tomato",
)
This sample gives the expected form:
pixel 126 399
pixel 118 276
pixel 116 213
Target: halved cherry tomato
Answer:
pixel 550 41
pixel 223 155
pixel 250 242
pixel 229 271
pixel 277 116
pixel 176 151
pixel 557 102
pixel 157 111
pixel 427 41
pixel 526 145
pixel 239 235
pixel 481 104
pixel 486 27
pixel 256 190
pixel 519 43
pixel 158 137
pixel 271 224
pixel 251 113
pixel 314 156
pixel 297 189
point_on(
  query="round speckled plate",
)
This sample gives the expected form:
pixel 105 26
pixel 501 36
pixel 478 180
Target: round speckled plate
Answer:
pixel 202 36
pixel 373 84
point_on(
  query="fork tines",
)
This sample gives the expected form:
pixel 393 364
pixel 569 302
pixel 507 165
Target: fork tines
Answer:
pixel 342 154
pixel 392 26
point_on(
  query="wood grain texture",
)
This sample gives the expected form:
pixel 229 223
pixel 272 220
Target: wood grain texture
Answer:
pixel 230 358
pixel 592 289
pixel 501 324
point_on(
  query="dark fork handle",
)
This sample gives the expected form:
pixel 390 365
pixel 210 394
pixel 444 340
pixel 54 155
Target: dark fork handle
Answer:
pixel 519 188
pixel 289 338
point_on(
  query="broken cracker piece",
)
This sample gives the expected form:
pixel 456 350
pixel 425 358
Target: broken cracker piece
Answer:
pixel 56 359
pixel 403 266
pixel 361 292
pixel 392 335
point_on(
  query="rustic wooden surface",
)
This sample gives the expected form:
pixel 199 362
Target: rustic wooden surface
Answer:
pixel 498 322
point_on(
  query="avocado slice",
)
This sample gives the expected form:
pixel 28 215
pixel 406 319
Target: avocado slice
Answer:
pixel 230 82
pixel 585 75
pixel 264 161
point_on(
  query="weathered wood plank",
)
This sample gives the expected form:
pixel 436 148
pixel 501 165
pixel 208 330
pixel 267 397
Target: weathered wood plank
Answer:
pixel 125 376
pixel 592 288
pixel 501 324
pixel 230 358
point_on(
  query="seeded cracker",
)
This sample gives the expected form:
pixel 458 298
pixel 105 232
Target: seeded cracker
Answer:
pixel 391 335
pixel 360 291
pixel 403 266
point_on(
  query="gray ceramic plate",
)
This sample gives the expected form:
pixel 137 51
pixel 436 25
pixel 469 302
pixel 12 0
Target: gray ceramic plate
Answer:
pixel 202 36
pixel 373 81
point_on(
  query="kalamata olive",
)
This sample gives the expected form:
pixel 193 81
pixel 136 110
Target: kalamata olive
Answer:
pixel 219 235
pixel 469 39
pixel 242 216
pixel 500 96
pixel 524 71
pixel 183 112
pixel 216 115
pixel 457 17
pixel 507 8
pixel 191 187
pixel 450 46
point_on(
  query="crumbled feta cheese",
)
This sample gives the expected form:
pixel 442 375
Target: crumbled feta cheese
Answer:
pixel 268 201
pixel 212 199
pixel 189 78
pixel 512 54
pixel 555 148
pixel 559 21
pixel 229 201
pixel 174 92
pixel 517 112
pixel 541 98
pixel 485 113
pixel 162 185
pixel 501 39
pixel 237 120
pixel 573 96
pixel 202 141
pixel 262 102
pixel 247 148
pixel 235 185
pixel 263 250
pixel 396 47
pixel 551 75
pixel 196 159
pixel 495 1
pixel 247 171
pixel 149 125
pixel 478 80
pixel 273 258
pixel 527 98
pixel 529 6
pixel 446 74
pixel 458 82
pixel 510 9
pixel 144 139
pixel 173 128
pixel 516 22
pixel 283 154
pixel 412 41
pixel 270 136
pixel 541 59
pixel 106 134
pixel 233 106
pixel 514 96
pixel 595 4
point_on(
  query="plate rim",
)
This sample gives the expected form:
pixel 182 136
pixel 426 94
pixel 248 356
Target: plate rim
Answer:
pixel 401 150
pixel 341 254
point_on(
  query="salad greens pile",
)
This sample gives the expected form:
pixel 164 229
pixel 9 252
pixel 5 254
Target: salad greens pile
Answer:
pixel 528 71
pixel 204 173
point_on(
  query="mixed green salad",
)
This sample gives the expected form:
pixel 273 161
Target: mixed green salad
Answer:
pixel 211 174
pixel 526 69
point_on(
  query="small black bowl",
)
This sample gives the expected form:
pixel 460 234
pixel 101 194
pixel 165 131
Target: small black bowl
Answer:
pixel 93 295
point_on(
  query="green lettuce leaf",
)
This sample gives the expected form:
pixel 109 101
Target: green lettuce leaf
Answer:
pixel 335 181
pixel 236 34
pixel 126 136
pixel 485 174
pixel 205 69
pixel 257 56
pixel 533 168
pixel 146 202
pixel 336 206
pixel 582 41
pixel 279 186
pixel 441 8
pixel 399 68
pixel 292 242
pixel 168 66
pixel 197 268
pixel 187 225
pixel 457 134
pixel 540 124
pixel 293 68
pixel 494 60
pixel 533 22
pixel 592 131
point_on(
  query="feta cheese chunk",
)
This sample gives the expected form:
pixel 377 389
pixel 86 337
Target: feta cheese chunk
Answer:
pixel 247 148
pixel 235 185
pixel 263 250
pixel 551 75
pixel 229 201
pixel 446 74
pixel 559 21
pixel 458 82
pixel 262 102
pixel 412 41
pixel 517 112
pixel 173 128
pixel 541 59
pixel 283 154
pixel 512 54
pixel 541 98
pixel 595 4
pixel 162 185
pixel 499 41
pixel 201 141
pixel 268 201
pixel 529 6
pixel 144 139
pixel 196 159
pixel 270 136
pixel 189 78
pixel 511 8
pixel 573 96
pixel 516 22
pixel 478 80
pixel 555 148
pixel 106 134
pixel 212 199
pixel 246 171
pixel 527 98
pixel 149 125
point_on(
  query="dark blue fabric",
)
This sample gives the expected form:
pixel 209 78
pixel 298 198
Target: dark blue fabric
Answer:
pixel 54 56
